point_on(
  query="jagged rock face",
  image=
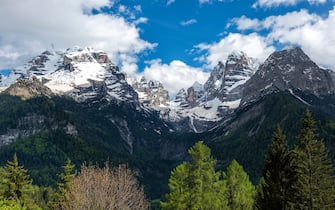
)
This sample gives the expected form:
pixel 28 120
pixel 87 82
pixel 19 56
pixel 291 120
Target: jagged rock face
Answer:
pixel 181 98
pixel 191 97
pixel 28 88
pixel 204 105
pixel 226 82
pixel 151 93
pixel 194 94
pixel 290 69
pixel 238 70
pixel 82 73
pixel 214 83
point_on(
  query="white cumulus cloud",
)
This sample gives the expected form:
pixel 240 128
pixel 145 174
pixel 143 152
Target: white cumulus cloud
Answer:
pixel 313 33
pixel 30 26
pixel 175 75
pixel 245 23
pixel 253 44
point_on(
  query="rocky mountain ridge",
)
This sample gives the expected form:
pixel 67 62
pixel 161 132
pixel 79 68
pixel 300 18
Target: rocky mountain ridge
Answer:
pixel 102 123
pixel 88 75
pixel 289 70
pixel 82 73
pixel 200 107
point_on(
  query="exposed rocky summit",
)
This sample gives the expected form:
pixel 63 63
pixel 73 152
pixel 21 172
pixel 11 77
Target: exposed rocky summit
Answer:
pixel 151 93
pixel 82 73
pixel 289 70
pixel 28 88
pixel 225 83
pixel 238 69
pixel 204 105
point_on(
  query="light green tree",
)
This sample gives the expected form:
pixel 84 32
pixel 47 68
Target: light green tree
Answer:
pixel 196 184
pixel 11 205
pixel 62 195
pixel 314 185
pixel 240 191
pixel 16 186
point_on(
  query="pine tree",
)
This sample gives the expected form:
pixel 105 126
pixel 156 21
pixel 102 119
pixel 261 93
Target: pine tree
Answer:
pixel 275 188
pixel 180 193
pixel 314 186
pixel 16 185
pixel 67 176
pixel 196 185
pixel 240 190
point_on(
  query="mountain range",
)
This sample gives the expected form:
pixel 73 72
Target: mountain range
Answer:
pixel 77 104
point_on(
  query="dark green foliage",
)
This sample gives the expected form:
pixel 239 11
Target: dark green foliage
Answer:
pixel 248 141
pixel 275 188
pixel 44 197
pixel 195 184
pixel 154 155
pixel 16 185
pixel 314 182
pixel 98 139
pixel 240 191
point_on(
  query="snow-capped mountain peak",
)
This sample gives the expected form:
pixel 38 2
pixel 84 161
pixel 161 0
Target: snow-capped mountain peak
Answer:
pixel 222 92
pixel 83 73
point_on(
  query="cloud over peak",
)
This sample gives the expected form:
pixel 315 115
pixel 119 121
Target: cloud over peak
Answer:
pixel 35 25
pixel 175 75
pixel 313 33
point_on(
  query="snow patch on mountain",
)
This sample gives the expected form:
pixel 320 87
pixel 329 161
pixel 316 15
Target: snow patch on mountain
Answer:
pixel 219 96
pixel 82 73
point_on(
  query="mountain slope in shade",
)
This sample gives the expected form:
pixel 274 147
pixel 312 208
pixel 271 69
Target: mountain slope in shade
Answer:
pixel 279 93
pixel 247 135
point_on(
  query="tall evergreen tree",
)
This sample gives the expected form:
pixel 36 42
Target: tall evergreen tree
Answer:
pixel 314 186
pixel 196 185
pixel 275 188
pixel 62 195
pixel 16 184
pixel 240 191
pixel 180 193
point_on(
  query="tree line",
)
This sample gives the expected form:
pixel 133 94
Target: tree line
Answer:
pixel 91 188
pixel 301 177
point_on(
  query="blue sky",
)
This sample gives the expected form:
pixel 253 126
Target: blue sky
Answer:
pixel 174 41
